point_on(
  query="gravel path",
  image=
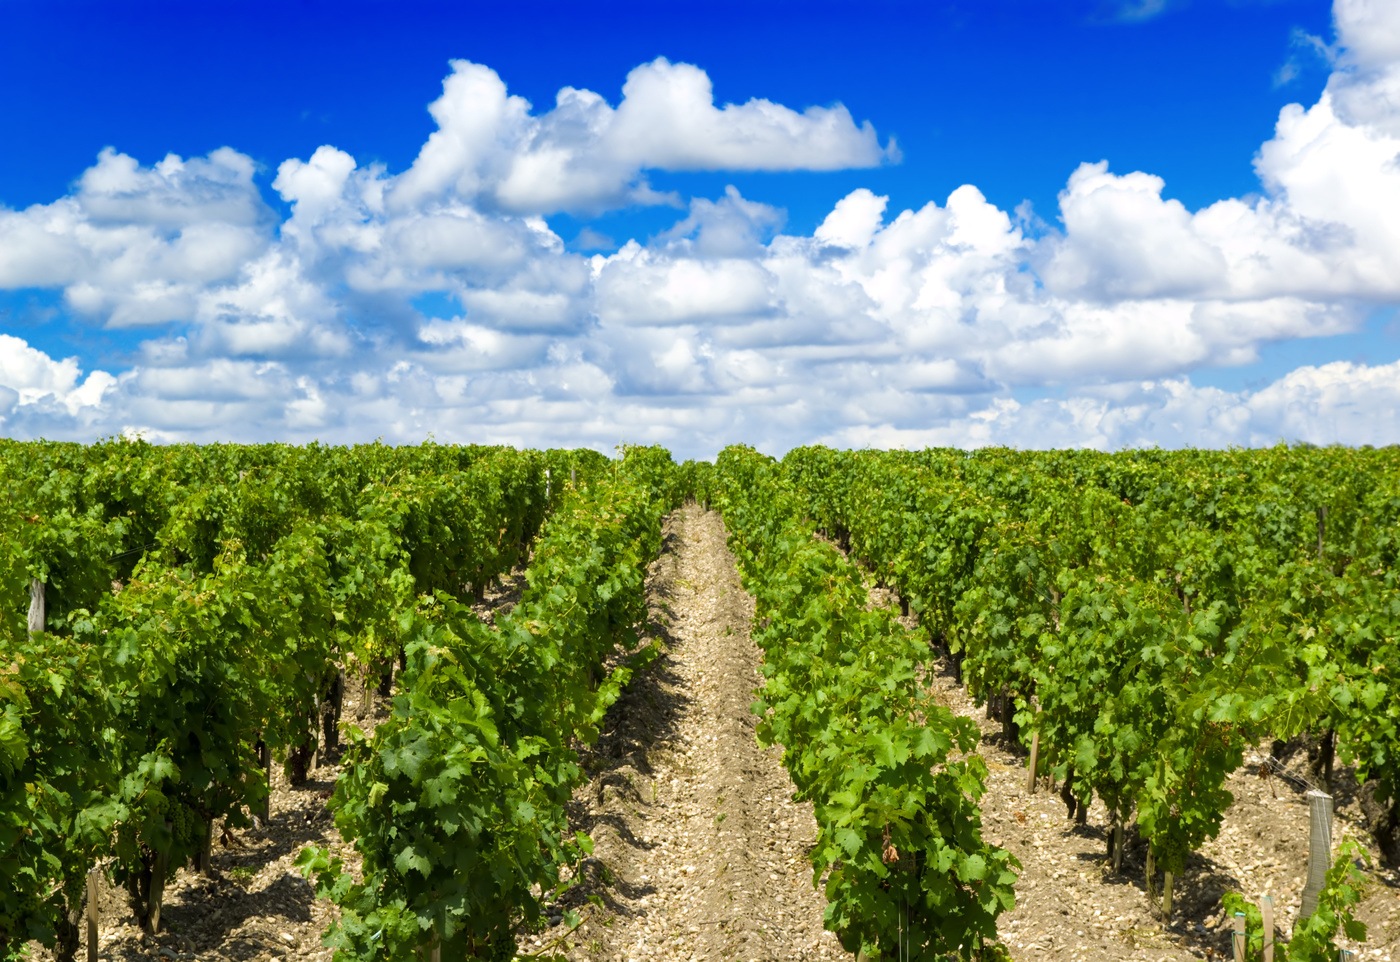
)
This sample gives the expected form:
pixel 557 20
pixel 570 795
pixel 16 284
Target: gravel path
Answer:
pixel 700 851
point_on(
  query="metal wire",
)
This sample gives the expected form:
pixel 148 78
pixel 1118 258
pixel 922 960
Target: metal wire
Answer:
pixel 1274 767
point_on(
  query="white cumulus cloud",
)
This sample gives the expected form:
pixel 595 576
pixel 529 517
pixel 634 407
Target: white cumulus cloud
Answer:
pixel 491 149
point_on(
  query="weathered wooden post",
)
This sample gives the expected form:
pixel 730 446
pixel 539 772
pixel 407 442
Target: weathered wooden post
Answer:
pixel 1238 937
pixel 1266 912
pixel 37 607
pixel 92 911
pixel 1034 763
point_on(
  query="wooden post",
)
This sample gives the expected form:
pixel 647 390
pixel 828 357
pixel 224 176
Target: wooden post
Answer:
pixel 1151 871
pixel 1167 896
pixel 1238 937
pixel 92 911
pixel 1266 910
pixel 1319 849
pixel 1035 758
pixel 37 608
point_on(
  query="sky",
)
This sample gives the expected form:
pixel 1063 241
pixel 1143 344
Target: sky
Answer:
pixel 899 223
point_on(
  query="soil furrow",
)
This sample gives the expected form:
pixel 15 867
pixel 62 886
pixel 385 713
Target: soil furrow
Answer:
pixel 701 853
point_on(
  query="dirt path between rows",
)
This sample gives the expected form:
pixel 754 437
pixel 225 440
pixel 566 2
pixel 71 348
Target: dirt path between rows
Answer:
pixel 700 851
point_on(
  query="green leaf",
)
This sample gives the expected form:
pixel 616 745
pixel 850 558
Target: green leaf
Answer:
pixel 408 860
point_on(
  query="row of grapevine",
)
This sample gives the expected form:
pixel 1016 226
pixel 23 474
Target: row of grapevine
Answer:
pixel 1147 616
pixel 194 608
pixel 890 772
pixel 457 803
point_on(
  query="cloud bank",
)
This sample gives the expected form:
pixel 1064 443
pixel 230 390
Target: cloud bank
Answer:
pixel 439 300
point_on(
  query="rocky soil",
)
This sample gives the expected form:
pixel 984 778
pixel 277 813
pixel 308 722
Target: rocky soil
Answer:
pixel 700 851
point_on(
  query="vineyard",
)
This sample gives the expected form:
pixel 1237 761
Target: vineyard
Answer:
pixel 183 624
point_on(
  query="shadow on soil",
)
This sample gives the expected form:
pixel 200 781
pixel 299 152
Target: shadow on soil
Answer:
pixel 644 721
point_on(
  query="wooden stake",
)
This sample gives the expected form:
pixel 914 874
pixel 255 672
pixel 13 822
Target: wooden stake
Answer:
pixel 1167 896
pixel 37 607
pixel 92 910
pixel 1035 758
pixel 1151 870
pixel 1266 910
pixel 1238 937
pixel 1319 849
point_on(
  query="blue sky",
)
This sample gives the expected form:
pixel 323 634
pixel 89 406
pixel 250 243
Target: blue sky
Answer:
pixel 240 221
